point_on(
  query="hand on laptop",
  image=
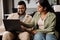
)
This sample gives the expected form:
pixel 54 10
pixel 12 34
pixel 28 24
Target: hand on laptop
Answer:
pixel 23 28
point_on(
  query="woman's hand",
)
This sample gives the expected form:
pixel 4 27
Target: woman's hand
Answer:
pixel 34 31
pixel 23 28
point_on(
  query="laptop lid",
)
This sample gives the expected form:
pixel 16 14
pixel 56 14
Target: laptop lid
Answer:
pixel 12 25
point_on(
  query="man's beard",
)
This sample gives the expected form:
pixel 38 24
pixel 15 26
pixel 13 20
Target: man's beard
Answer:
pixel 21 14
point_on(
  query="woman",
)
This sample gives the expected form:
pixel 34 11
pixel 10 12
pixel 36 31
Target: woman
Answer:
pixel 44 21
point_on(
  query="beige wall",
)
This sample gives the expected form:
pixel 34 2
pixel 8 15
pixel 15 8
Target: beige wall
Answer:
pixel 1 11
pixel 30 5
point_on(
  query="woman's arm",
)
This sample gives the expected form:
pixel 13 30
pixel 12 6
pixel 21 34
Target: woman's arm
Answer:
pixel 28 25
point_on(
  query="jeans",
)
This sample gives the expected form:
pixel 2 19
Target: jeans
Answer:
pixel 42 36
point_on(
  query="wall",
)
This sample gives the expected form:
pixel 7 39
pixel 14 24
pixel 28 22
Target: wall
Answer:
pixel 7 4
pixel 10 6
pixel 52 2
pixel 32 3
pixel 59 1
pixel 31 7
pixel 1 11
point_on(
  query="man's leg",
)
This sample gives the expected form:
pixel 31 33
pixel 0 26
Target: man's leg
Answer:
pixel 51 37
pixel 7 36
pixel 24 36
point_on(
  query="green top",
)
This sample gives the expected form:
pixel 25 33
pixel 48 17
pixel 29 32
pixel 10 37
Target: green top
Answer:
pixel 49 23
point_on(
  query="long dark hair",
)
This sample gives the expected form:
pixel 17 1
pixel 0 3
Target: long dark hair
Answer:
pixel 45 3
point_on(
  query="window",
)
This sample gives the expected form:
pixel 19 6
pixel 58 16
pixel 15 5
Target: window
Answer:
pixel 52 2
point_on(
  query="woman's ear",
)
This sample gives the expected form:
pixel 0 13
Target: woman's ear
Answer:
pixel 45 8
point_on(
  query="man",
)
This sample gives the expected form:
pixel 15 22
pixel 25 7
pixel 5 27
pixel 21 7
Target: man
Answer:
pixel 21 14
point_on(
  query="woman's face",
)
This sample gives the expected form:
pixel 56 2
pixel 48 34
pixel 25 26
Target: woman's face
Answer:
pixel 40 8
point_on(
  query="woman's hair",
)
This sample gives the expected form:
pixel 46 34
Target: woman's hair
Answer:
pixel 45 3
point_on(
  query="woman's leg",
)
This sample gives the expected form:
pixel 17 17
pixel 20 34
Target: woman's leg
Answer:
pixel 50 37
pixel 7 36
pixel 39 36
pixel 24 36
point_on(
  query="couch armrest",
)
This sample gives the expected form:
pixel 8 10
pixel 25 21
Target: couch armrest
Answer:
pixel 57 34
pixel 2 29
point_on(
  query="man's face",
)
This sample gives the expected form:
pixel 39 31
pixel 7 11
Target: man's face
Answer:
pixel 21 9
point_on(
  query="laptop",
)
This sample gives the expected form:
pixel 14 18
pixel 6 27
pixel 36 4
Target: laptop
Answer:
pixel 12 25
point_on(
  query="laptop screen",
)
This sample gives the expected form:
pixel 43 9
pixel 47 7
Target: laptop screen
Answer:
pixel 12 25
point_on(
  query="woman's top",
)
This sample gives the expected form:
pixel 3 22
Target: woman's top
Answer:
pixel 41 24
pixel 49 23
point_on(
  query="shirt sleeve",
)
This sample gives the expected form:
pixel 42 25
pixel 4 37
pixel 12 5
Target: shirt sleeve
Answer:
pixel 10 16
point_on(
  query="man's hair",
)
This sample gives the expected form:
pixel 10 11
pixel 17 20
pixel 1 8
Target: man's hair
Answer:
pixel 22 3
